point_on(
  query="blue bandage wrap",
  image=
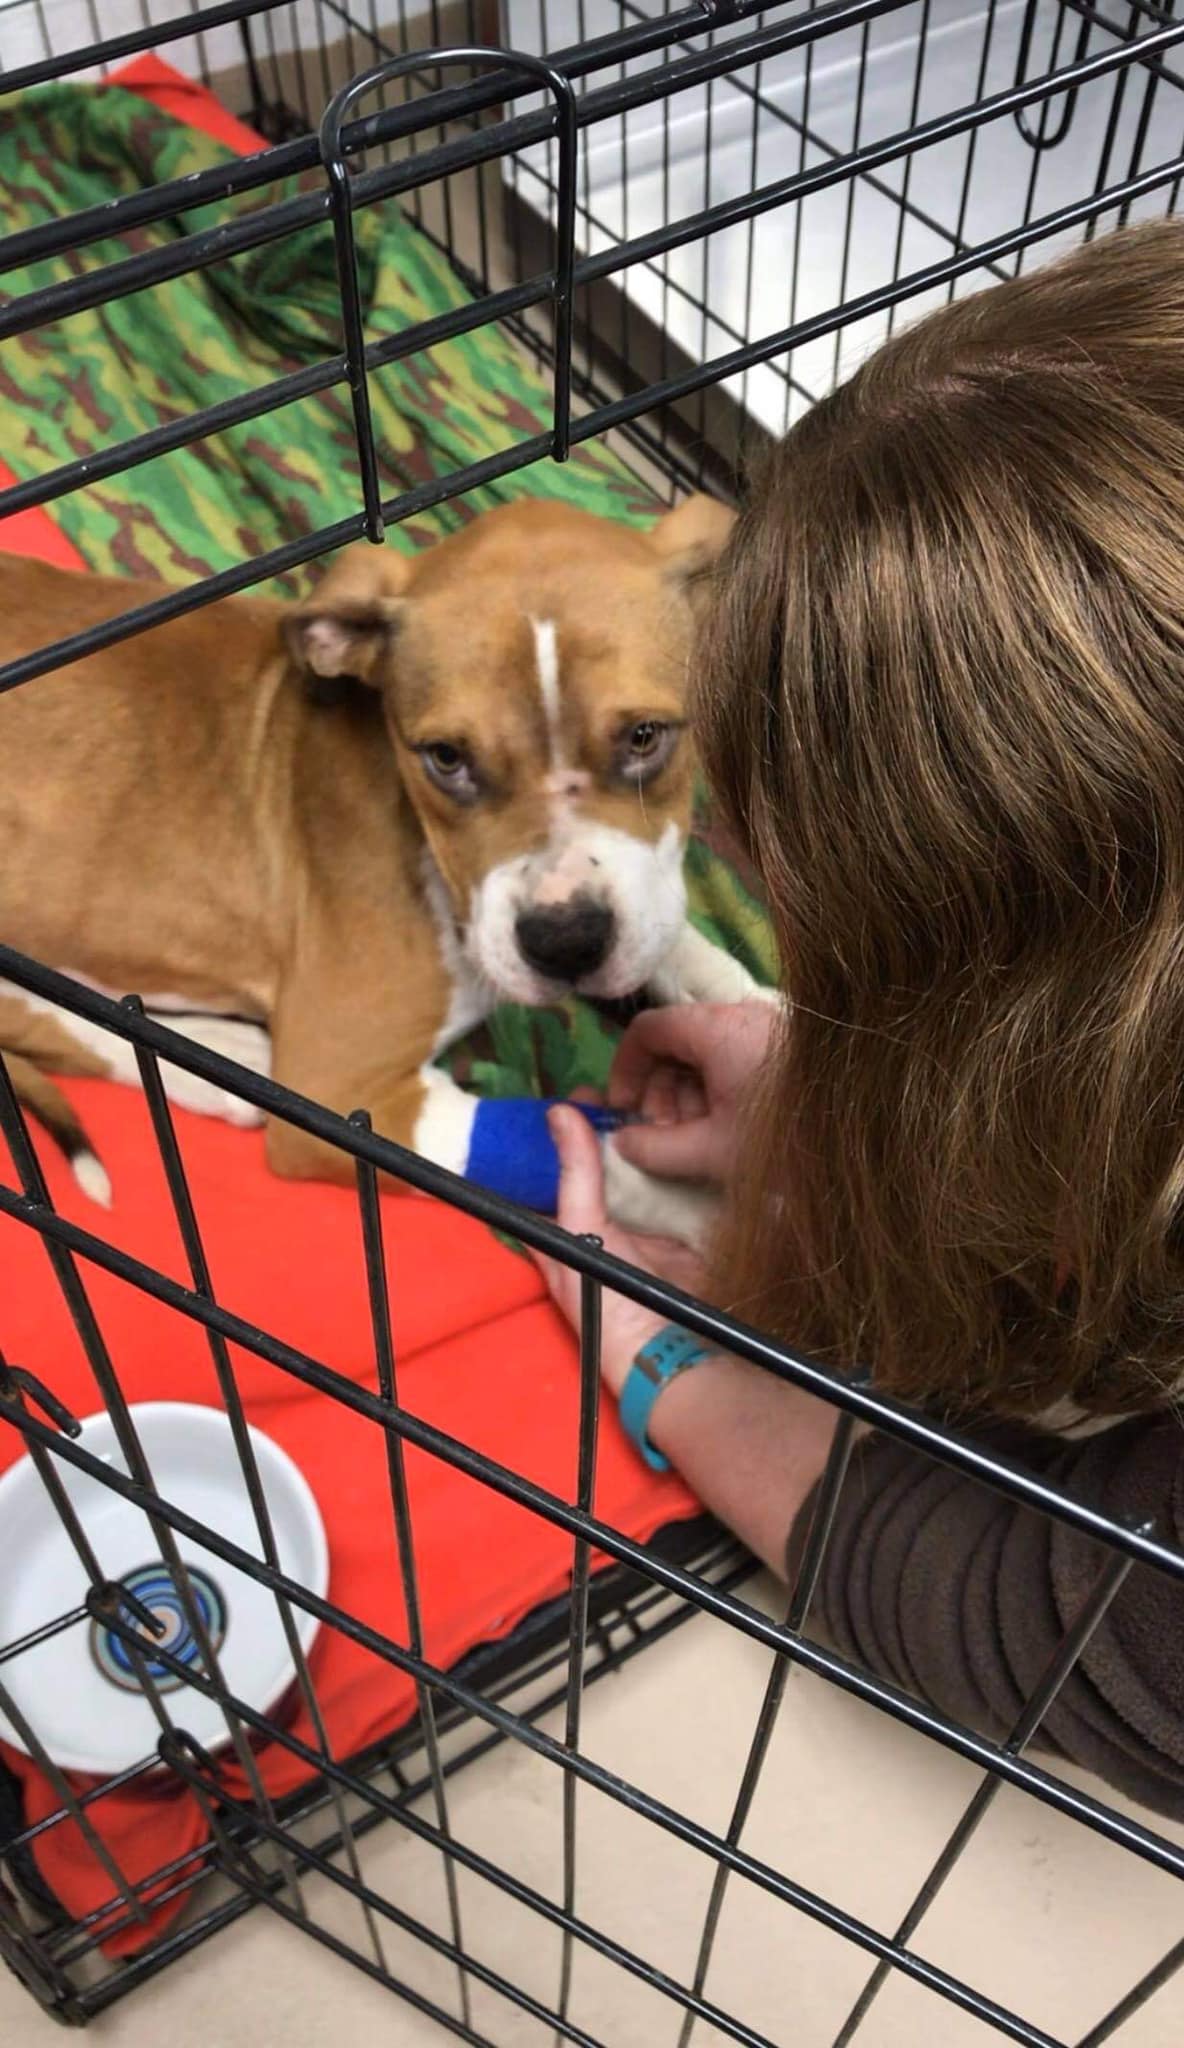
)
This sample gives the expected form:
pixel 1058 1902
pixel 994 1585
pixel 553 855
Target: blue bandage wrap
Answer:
pixel 512 1153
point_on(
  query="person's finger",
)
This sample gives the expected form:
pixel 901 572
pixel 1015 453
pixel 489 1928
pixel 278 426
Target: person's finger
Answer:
pixel 583 1094
pixel 659 1099
pixel 581 1172
pixel 670 1260
pixel 690 1097
pixel 671 1151
pixel 683 1033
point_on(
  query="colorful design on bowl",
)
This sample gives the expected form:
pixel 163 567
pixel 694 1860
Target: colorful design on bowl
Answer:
pixel 154 1587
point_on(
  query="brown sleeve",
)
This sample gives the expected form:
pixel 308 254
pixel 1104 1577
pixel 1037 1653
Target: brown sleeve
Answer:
pixel 960 1597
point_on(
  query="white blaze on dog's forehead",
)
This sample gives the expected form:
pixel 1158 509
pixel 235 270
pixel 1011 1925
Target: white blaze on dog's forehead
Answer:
pixel 546 657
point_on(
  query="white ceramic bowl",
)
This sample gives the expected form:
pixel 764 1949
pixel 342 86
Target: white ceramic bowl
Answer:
pixel 77 1689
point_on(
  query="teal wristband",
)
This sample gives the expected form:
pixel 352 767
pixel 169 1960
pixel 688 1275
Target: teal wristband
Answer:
pixel 667 1354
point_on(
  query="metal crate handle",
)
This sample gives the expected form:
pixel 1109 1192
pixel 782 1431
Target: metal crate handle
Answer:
pixel 333 159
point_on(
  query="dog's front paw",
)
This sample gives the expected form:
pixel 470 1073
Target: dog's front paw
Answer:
pixel 658 1208
pixel 236 1039
pixel 695 971
pixel 204 1098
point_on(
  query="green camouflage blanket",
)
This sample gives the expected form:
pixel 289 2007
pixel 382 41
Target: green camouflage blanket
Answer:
pixel 101 376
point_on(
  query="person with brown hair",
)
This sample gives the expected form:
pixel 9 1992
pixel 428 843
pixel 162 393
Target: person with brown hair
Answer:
pixel 940 705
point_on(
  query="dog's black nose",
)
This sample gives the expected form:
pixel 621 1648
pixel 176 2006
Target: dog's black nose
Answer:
pixel 566 941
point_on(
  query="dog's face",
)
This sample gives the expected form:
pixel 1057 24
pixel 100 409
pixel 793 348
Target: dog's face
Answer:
pixel 533 670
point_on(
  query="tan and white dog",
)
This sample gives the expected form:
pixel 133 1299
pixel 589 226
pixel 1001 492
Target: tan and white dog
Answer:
pixel 494 809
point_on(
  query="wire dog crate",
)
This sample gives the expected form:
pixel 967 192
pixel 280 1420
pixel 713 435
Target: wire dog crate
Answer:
pixel 696 217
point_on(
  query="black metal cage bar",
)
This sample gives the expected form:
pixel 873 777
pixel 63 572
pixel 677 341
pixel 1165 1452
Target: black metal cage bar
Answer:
pixel 695 218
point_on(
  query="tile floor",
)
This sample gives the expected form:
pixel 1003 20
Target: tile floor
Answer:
pixel 1041 1915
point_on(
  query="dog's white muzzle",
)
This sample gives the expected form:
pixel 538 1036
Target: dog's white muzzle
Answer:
pixel 594 912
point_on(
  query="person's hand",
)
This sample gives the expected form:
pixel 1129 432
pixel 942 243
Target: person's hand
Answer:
pixel 625 1325
pixel 686 1070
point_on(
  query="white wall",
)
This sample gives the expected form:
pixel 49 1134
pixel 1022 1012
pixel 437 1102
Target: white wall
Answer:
pixel 30 32
pixel 804 259
pixel 797 261
pixel 28 26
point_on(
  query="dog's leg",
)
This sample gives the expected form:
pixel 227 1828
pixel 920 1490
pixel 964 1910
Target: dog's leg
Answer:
pixel 685 1210
pixel 236 1039
pixel 45 1102
pixel 424 1111
pixel 34 1039
pixel 341 1055
pixel 696 971
pixel 503 1146
pixel 66 1044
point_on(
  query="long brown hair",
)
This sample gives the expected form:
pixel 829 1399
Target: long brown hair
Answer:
pixel 942 706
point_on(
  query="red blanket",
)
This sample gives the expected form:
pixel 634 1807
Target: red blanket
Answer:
pixel 482 1354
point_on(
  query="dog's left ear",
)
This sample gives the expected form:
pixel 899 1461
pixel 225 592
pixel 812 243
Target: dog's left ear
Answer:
pixel 690 540
pixel 344 632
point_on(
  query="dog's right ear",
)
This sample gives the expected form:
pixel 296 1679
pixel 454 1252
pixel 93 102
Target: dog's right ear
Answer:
pixel 690 540
pixel 343 633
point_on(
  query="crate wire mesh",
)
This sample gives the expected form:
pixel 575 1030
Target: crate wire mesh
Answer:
pixel 710 211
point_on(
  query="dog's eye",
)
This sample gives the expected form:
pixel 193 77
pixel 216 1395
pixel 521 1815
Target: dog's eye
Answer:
pixel 449 768
pixel 644 748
